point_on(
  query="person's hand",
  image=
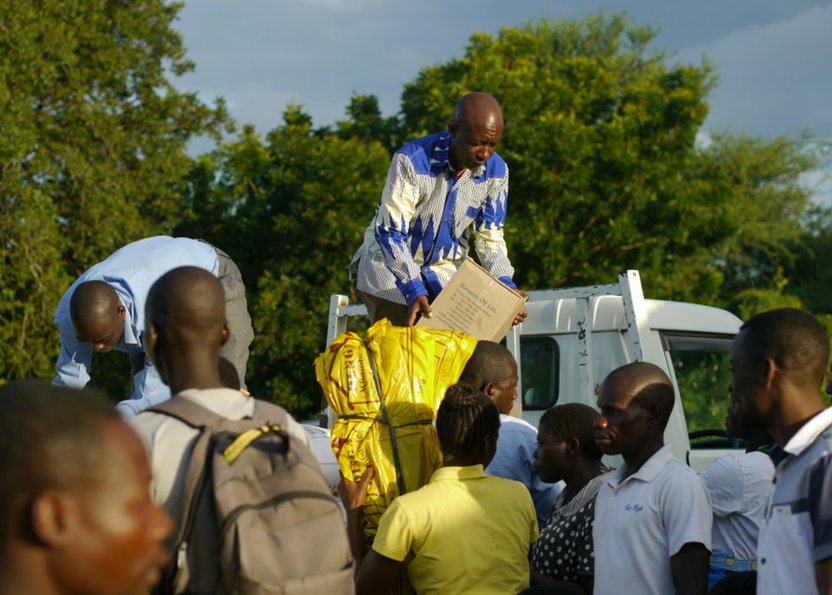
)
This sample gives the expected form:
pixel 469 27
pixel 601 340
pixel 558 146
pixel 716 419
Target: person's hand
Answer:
pixel 521 315
pixel 419 306
pixel 354 494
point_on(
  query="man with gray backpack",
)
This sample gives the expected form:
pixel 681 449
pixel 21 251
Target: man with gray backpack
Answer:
pixel 252 512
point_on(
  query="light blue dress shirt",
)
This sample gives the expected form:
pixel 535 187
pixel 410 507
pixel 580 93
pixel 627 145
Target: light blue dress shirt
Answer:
pixel 516 444
pixel 130 271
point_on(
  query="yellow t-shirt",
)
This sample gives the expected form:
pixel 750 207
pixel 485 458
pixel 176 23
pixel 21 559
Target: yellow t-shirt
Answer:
pixel 464 532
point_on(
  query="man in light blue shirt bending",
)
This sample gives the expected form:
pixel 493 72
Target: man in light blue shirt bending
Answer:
pixel 104 311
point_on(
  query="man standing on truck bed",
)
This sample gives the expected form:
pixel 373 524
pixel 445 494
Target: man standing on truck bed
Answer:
pixel 437 186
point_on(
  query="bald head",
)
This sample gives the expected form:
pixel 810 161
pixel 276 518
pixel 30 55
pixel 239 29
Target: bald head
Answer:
pixel 477 107
pixel 97 315
pixel 187 303
pixel 644 383
pixel 635 402
pixel 476 128
pixel 186 327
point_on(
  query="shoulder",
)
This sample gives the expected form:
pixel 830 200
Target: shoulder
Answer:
pixel 722 469
pixel 417 153
pixel 517 425
pixel 496 167
pixel 676 477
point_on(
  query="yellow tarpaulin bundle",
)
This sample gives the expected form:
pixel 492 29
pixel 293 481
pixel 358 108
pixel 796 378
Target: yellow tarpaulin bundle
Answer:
pixel 413 368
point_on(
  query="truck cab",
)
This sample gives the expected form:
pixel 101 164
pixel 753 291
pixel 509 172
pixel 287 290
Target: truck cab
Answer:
pixel 573 337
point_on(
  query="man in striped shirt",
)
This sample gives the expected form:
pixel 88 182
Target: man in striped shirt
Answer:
pixel 438 188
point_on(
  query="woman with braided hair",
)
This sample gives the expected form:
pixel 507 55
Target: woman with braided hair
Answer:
pixel 465 531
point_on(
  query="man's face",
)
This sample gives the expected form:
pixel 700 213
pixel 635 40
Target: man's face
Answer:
pixel 474 141
pixel 749 398
pixel 550 458
pixel 622 424
pixel 105 333
pixel 504 393
pixel 117 543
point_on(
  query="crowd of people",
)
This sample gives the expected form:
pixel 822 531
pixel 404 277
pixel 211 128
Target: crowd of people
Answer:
pixel 114 500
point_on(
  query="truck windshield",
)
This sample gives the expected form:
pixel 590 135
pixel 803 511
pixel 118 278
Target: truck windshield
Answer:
pixel 702 366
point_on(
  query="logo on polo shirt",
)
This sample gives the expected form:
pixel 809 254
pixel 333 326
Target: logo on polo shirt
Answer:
pixel 634 507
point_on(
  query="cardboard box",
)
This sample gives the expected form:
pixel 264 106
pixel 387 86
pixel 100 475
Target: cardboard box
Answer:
pixel 476 303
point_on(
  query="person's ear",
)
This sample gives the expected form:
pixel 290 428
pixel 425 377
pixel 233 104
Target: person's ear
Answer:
pixel 151 340
pixel 53 515
pixel 573 447
pixel 655 413
pixel 770 371
pixel 121 312
pixel 225 334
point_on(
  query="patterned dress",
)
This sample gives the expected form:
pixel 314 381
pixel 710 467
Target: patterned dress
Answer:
pixel 564 550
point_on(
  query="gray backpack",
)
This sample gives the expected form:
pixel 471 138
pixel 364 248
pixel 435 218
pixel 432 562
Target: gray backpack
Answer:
pixel 258 516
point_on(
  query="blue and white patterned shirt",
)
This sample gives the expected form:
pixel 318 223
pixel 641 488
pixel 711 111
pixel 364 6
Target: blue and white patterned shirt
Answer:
pixel 419 235
pixel 796 533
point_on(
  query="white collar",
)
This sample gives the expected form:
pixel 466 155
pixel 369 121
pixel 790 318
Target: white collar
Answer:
pixel 808 432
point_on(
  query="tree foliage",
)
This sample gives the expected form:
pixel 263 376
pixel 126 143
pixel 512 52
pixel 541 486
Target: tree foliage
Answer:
pixel 291 211
pixel 600 137
pixel 606 173
pixel 93 151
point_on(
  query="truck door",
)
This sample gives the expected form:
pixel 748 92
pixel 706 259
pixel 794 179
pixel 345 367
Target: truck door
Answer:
pixel 701 368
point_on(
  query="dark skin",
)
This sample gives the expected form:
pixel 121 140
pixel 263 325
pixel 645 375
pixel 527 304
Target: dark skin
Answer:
pixel 768 396
pixel 97 315
pixel 632 424
pixel 105 536
pixel 476 129
pixel 376 574
pixel 186 323
pixel 558 459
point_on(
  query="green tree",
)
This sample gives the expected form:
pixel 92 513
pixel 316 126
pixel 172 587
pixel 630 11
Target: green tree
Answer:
pixel 93 152
pixel 605 171
pixel 291 211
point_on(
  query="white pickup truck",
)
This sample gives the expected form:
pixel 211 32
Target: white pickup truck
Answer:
pixel 573 337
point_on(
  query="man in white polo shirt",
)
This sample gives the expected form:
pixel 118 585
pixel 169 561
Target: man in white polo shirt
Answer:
pixel 778 361
pixel 652 529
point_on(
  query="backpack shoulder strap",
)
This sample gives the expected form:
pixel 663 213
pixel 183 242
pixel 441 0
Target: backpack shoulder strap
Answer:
pixel 204 420
pixel 269 412
pixel 188 412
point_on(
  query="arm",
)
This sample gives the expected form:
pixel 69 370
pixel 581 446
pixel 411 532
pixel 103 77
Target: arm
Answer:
pixel 823 576
pixel 489 241
pixel 377 574
pixel 73 362
pixel 354 495
pixel 689 568
pixel 148 384
pixel 392 228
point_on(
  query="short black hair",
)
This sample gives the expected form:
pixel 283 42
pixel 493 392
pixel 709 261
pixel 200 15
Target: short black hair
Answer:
pixel 91 303
pixel 795 339
pixel 50 438
pixel 466 416
pixel 488 364
pixel 573 420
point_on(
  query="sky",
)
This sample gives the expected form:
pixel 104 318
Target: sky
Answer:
pixel 772 57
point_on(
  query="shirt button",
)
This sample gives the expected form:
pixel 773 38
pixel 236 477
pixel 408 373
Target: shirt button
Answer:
pixel 762 561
